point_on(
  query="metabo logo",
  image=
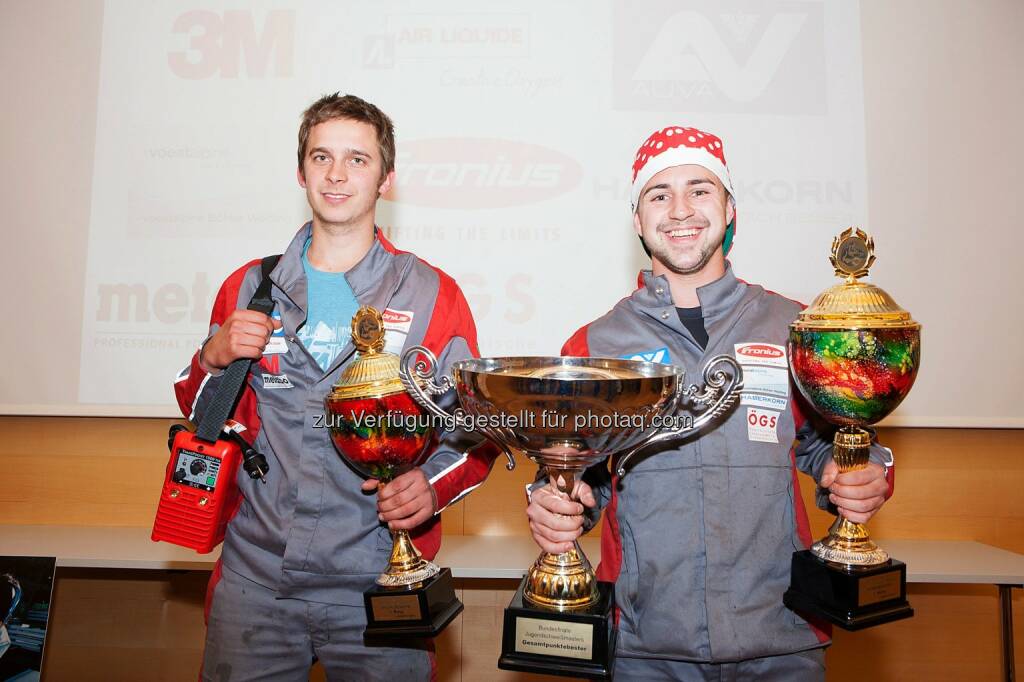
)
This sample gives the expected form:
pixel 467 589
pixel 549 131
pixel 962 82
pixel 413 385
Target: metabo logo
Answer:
pixel 720 57
pixel 480 173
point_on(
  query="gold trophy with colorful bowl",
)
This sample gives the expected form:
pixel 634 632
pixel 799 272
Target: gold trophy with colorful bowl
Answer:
pixel 382 433
pixel 854 355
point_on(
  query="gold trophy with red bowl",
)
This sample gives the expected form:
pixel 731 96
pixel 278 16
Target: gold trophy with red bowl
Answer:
pixel 381 432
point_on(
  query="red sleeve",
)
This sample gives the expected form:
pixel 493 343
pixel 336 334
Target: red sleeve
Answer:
pixel 577 345
pixel 465 475
pixel 452 318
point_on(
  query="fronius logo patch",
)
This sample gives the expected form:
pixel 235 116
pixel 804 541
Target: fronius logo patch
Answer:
pixel 754 353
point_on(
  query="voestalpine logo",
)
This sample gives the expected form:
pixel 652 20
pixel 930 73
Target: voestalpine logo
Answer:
pixel 658 355
pixel 472 173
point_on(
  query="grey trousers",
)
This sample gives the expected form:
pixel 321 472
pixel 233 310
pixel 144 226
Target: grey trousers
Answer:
pixel 806 666
pixel 252 635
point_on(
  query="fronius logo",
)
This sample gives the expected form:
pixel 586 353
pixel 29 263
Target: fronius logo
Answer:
pixel 480 173
pixel 760 350
pixel 397 317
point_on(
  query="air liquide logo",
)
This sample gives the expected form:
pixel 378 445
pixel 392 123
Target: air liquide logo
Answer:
pixel 720 57
pixel 480 173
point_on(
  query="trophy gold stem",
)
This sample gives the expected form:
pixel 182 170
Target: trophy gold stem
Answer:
pixel 566 581
pixel 848 543
pixel 407 566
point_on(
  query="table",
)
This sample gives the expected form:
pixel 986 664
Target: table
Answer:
pixel 928 561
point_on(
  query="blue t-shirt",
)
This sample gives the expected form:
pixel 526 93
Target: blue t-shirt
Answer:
pixel 330 305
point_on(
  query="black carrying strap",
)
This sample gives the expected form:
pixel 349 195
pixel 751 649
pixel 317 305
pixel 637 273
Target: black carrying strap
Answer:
pixel 223 403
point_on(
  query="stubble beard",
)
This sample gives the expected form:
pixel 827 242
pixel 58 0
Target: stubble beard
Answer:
pixel 664 254
pixel 340 227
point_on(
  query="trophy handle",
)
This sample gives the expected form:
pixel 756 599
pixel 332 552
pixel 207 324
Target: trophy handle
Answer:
pixel 721 390
pixel 419 377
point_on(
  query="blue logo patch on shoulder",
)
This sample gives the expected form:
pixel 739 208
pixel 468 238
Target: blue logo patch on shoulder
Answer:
pixel 657 355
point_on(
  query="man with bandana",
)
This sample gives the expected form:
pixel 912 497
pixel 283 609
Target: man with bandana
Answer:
pixel 699 534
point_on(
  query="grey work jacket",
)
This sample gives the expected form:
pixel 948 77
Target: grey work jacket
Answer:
pixel 699 533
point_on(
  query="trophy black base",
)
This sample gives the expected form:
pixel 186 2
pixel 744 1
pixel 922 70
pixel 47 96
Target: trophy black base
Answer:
pixel 567 643
pixel 420 610
pixel 853 599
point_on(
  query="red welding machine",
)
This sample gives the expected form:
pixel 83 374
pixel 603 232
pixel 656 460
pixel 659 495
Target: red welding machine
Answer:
pixel 200 493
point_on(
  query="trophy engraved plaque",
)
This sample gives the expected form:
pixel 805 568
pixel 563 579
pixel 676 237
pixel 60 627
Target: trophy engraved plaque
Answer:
pixel 566 414
pixel 854 355
pixel 413 597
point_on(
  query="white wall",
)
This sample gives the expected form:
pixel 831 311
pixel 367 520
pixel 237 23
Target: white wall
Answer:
pixel 163 161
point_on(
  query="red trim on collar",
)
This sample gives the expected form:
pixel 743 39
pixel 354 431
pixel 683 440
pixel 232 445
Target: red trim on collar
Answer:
pixel 388 246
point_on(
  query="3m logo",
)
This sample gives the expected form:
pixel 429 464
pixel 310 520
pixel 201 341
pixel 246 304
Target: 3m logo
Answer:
pixel 480 173
pixel 219 44
pixel 720 57
pixel 659 355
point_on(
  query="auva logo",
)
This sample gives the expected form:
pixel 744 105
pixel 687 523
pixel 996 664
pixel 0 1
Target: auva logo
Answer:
pixel 658 355
pixel 690 48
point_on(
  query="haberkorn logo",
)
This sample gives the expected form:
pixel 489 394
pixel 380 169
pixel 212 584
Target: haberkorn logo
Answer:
pixel 474 173
pixel 772 192
pixel 720 58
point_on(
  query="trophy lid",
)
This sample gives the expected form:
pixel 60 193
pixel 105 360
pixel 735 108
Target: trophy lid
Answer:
pixel 374 372
pixel 853 304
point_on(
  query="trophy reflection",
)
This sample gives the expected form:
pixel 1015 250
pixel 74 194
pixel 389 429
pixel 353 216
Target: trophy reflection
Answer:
pixel 854 355
pixel 559 620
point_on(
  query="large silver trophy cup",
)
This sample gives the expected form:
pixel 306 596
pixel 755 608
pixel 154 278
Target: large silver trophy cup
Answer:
pixel 566 414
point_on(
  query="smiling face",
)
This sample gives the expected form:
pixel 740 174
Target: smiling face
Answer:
pixel 682 214
pixel 342 173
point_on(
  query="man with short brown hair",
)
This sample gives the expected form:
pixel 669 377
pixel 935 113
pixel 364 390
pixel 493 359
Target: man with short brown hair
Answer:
pixel 303 548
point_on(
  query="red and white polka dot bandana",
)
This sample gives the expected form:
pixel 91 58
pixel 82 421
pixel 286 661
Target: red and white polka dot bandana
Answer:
pixel 678 146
